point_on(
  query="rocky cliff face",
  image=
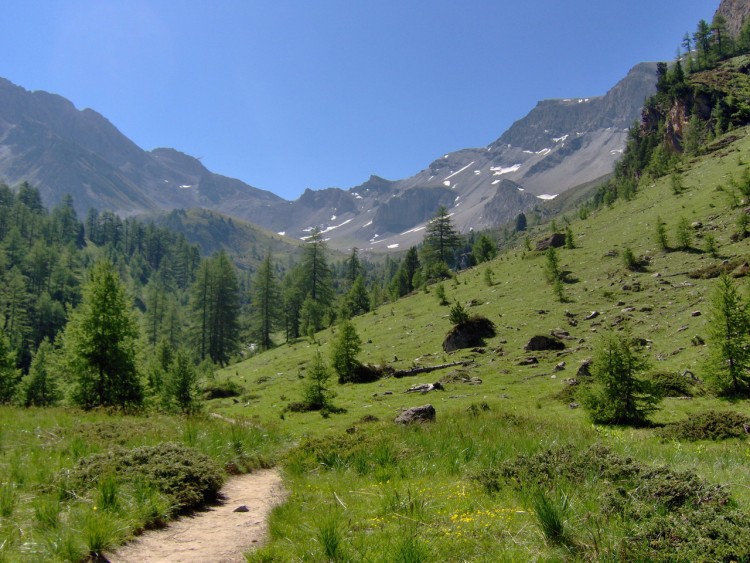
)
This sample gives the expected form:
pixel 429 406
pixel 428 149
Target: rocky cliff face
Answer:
pixel 736 13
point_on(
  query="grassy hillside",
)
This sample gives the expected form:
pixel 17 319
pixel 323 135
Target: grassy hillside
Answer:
pixel 365 489
pixel 508 471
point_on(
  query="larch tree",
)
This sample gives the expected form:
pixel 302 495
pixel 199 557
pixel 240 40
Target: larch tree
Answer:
pixel 216 307
pixel 729 339
pixel 266 303
pixel 99 344
pixel 441 238
pixel 316 273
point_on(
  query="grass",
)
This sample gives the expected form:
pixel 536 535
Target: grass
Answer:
pixel 363 489
pixel 436 467
pixel 43 517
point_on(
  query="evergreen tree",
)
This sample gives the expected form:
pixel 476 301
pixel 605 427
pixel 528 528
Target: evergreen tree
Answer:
pixel 181 389
pixel 483 249
pixel 728 338
pixel 9 375
pixel 661 234
pixel 441 239
pixel 702 40
pixel 315 281
pixel 554 274
pixel 266 303
pixel 353 266
pixel 403 282
pixel 99 344
pixel 344 352
pixel 317 395
pixel 215 307
pixel 357 300
pixel 617 395
pixel 40 387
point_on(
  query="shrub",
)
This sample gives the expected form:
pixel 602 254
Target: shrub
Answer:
pixel 222 389
pixel 458 314
pixel 190 478
pixel 671 384
pixel 709 425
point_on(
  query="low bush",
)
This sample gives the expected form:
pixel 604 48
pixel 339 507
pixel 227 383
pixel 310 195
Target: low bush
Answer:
pixel 709 425
pixel 188 477
pixel 672 384
pixel 222 389
pixel 673 515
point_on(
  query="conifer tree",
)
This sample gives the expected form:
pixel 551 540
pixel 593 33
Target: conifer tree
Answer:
pixel 441 239
pixel 99 344
pixel 618 395
pixel 266 302
pixel 9 375
pixel 215 306
pixel 344 352
pixel 729 339
pixel 316 278
pixel 40 387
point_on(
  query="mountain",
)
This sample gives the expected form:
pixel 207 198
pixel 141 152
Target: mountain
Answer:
pixel 560 144
pixel 563 143
pixel 47 142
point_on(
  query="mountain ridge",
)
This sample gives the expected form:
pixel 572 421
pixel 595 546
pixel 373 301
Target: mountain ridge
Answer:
pixel 561 143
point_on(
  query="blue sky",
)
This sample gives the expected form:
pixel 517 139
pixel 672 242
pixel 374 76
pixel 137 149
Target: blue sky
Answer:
pixel 288 95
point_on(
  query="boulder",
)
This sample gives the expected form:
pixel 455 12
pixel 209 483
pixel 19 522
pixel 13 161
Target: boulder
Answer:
pixel 555 240
pixel 541 343
pixel 585 369
pixel 424 413
pixel 469 334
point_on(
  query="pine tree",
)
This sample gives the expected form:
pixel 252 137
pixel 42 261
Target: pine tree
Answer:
pixel 729 339
pixel 9 375
pixel 40 387
pixel 317 395
pixel 266 303
pixel 181 389
pixel 554 274
pixel 99 344
pixel 441 239
pixel 316 273
pixel 215 308
pixel 344 352
pixel 353 266
pixel 618 395
pixel 483 249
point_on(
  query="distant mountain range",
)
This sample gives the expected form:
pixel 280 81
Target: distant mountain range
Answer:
pixel 560 144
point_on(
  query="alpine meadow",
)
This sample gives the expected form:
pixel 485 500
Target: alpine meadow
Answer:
pixel 572 384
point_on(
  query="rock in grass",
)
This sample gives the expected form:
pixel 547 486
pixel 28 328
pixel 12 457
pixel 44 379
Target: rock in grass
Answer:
pixel 541 342
pixel 425 413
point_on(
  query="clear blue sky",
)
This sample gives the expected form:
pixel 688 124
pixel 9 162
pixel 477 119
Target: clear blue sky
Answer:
pixel 287 95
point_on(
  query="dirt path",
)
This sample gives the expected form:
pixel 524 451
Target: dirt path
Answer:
pixel 218 535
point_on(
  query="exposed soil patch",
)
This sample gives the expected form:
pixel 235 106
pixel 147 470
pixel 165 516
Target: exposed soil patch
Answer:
pixel 217 534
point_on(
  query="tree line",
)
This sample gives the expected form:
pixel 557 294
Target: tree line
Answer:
pixel 162 307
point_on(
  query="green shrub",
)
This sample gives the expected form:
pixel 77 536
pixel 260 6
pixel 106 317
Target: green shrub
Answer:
pixel 188 477
pixel 672 384
pixel 222 389
pixel 458 314
pixel 709 425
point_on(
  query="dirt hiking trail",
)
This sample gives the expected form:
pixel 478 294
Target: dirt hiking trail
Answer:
pixel 217 535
